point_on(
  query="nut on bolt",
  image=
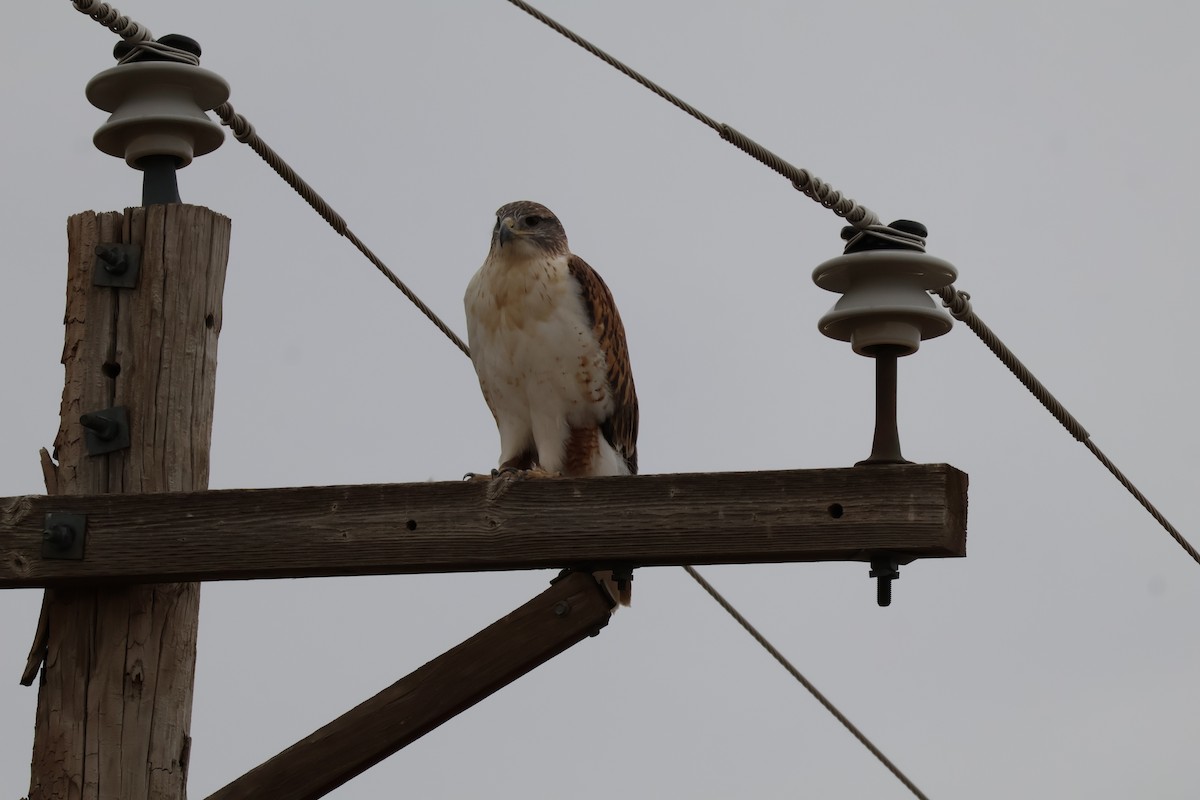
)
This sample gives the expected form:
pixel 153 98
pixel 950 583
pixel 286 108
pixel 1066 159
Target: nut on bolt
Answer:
pixel 562 608
pixel 103 427
pixel 63 535
pixel 114 259
pixel 60 536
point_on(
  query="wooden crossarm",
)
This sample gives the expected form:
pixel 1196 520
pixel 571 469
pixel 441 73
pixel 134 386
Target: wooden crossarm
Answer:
pixel 909 511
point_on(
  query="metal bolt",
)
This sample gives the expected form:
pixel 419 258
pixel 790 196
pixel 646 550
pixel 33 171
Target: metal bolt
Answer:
pixel 884 571
pixel 562 608
pixel 114 259
pixel 104 428
pixel 885 447
pixel 63 535
pixel 60 536
pixel 883 592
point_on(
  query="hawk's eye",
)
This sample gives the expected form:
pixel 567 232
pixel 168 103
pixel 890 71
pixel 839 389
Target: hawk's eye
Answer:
pixel 532 221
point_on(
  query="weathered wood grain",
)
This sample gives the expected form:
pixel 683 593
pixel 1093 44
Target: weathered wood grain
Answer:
pixel 912 511
pixel 571 610
pixel 115 697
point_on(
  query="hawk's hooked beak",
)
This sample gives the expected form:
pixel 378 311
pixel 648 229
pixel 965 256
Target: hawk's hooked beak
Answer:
pixel 506 230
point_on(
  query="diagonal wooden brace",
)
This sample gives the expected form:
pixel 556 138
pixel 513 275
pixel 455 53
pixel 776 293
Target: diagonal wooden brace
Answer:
pixel 571 610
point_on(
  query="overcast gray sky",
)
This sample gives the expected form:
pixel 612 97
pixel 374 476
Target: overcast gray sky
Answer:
pixel 1049 147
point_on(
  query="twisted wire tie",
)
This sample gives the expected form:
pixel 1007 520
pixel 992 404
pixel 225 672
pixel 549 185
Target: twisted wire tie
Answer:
pixel 163 50
pixel 959 304
pixel 114 20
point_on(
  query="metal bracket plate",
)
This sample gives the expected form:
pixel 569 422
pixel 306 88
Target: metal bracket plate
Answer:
pixel 63 536
pixel 117 265
pixel 107 430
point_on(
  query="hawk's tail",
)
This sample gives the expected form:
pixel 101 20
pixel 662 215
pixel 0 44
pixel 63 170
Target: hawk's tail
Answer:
pixel 620 590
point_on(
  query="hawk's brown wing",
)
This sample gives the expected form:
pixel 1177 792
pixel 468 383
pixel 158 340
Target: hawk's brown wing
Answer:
pixel 621 428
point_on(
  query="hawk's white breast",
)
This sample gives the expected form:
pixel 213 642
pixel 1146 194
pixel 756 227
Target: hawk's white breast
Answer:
pixel 540 366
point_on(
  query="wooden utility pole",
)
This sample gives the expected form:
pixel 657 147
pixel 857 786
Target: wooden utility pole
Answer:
pixel 115 697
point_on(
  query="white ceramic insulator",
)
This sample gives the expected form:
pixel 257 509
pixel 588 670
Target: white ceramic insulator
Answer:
pixel 157 109
pixel 885 299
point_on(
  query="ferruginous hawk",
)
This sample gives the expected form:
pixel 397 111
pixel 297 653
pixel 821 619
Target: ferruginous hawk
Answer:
pixel 550 352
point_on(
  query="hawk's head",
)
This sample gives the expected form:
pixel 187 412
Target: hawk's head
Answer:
pixel 531 227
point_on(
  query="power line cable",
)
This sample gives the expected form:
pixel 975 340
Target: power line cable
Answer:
pixel 822 699
pixel 802 180
pixel 244 132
